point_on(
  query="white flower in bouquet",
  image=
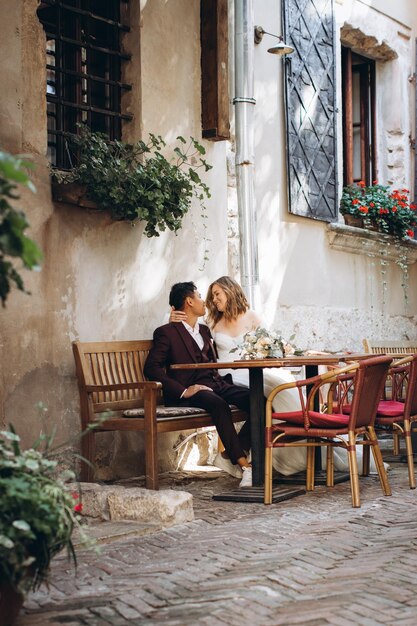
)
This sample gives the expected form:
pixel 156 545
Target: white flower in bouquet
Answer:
pixel 262 343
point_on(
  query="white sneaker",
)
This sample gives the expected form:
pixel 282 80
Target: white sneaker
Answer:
pixel 246 478
pixel 227 466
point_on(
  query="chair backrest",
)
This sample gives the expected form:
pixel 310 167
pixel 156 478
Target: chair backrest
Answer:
pixel 368 387
pixel 111 362
pixel 410 407
pixel 376 346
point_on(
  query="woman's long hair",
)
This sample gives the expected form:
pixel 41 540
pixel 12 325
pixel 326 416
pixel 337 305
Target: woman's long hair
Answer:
pixel 236 301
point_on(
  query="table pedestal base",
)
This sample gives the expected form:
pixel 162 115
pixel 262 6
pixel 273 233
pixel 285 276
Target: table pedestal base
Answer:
pixel 256 494
pixel 319 478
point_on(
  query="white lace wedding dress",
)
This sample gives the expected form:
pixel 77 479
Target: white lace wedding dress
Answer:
pixel 286 461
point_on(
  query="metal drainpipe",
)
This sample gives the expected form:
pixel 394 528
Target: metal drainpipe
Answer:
pixel 244 103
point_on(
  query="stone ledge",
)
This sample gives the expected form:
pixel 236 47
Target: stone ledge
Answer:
pixel 72 193
pixel 371 243
pixel 114 503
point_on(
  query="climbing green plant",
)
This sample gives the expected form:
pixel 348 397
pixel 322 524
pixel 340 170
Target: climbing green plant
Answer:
pixel 136 182
pixel 15 246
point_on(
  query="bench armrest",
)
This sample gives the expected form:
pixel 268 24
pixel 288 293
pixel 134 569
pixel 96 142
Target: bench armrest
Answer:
pixel 123 386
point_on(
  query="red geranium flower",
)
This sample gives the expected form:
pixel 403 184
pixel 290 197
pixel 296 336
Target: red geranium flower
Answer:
pixel 410 233
pixel 78 507
pixel 363 209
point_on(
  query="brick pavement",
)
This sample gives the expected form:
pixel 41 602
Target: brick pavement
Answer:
pixel 310 561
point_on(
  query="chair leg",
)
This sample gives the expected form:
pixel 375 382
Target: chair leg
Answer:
pixel 88 453
pixel 268 476
pixel 353 470
pixel 395 443
pixel 409 453
pixel 365 458
pixel 330 467
pixel 376 451
pixel 310 468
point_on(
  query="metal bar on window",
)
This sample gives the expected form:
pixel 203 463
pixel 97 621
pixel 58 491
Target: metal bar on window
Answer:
pixel 90 14
pixel 93 77
pixel 90 46
pixel 94 109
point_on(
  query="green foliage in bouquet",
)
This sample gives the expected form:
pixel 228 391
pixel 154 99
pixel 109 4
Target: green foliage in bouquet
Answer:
pixel 262 343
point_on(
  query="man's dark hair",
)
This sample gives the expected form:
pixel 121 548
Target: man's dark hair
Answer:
pixel 179 292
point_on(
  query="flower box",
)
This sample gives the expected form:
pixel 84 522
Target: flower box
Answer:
pixel 377 207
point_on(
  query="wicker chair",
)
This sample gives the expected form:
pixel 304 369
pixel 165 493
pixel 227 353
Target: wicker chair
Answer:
pixel 400 411
pixel 310 428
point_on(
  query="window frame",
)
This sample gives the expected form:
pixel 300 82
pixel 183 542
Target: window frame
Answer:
pixel 75 92
pixel 354 63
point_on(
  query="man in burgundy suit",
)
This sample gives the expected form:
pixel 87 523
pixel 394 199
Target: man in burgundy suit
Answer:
pixel 191 342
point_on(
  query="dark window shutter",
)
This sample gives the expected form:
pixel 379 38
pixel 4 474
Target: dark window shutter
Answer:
pixel 214 70
pixel 308 25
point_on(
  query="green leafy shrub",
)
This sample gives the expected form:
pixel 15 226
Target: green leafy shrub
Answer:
pixel 38 512
pixel 13 242
pixel 137 182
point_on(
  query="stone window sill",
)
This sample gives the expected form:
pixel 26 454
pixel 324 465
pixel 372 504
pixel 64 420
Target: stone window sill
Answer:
pixel 370 243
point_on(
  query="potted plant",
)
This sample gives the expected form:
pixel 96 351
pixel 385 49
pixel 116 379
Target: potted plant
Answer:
pixel 379 208
pixel 38 513
pixel 136 182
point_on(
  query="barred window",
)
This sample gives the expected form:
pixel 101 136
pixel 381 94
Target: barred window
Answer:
pixel 84 70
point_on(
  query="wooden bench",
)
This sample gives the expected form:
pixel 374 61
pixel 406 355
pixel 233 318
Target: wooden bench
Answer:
pixel 396 349
pixel 110 379
pixel 376 346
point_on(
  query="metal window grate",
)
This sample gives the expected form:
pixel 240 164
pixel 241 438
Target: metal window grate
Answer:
pixel 84 71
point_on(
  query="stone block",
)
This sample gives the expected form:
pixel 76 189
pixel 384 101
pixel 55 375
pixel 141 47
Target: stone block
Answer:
pixel 113 503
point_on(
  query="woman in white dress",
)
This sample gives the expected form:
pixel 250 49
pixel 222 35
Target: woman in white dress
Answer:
pixel 229 318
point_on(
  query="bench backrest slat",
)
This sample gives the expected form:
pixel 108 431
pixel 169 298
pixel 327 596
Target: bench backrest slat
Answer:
pixel 376 346
pixel 101 363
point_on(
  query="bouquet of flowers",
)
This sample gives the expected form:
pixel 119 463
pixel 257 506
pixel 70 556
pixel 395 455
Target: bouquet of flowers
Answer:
pixel 262 343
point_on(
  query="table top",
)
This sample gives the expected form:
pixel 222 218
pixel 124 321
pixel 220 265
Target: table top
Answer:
pixel 287 361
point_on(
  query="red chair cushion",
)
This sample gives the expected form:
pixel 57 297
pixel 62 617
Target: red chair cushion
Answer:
pixel 390 408
pixel 319 420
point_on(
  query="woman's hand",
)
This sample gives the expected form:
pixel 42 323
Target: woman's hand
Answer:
pixel 177 316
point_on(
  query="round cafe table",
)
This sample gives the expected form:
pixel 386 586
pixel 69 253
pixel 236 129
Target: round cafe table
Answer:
pixel 257 400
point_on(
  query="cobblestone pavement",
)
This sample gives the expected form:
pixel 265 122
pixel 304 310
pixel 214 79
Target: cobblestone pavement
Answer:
pixel 311 561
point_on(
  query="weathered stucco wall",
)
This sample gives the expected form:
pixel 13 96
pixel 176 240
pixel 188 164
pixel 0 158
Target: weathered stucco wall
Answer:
pixel 333 299
pixel 103 280
pixel 100 279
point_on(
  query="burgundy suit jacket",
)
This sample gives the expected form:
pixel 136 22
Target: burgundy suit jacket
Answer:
pixel 172 343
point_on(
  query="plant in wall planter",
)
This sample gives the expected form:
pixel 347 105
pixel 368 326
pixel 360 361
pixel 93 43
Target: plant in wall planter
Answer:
pixel 137 182
pixel 377 207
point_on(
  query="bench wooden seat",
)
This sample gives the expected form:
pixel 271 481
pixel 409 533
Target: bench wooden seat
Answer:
pixel 110 380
